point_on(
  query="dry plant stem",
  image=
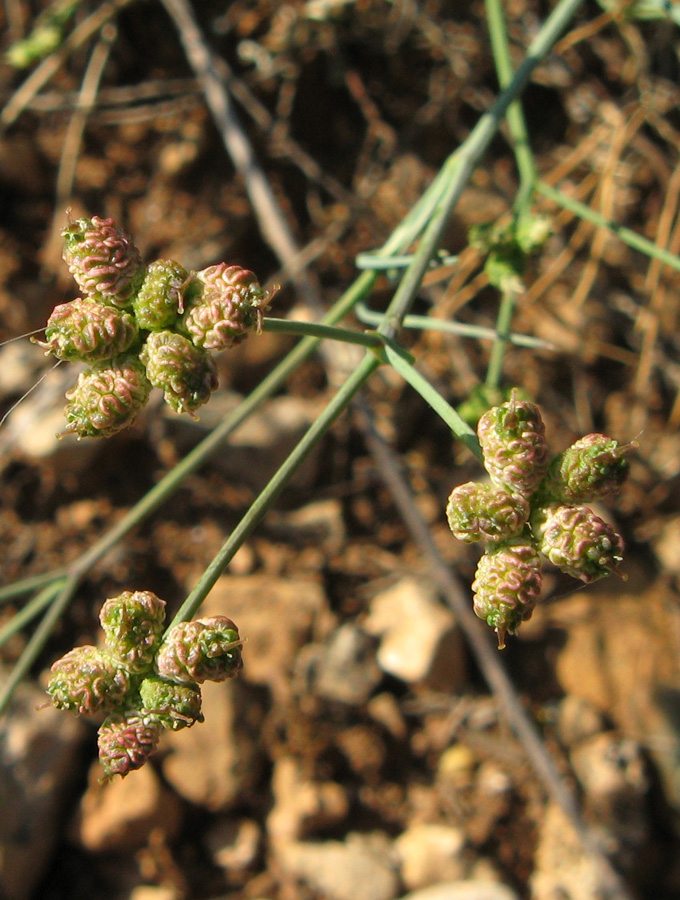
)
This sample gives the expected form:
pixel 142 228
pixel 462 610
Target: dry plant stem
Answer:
pixel 76 126
pixel 485 654
pixel 272 222
pixel 47 69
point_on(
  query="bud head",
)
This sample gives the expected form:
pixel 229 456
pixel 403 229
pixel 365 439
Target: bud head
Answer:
pixel 174 705
pixel 577 541
pixel 160 300
pixel 592 468
pixel 107 398
pixel 480 512
pixel 133 627
pixel 87 681
pixel 125 742
pixel 203 650
pixel 103 260
pixel 83 330
pixel 185 373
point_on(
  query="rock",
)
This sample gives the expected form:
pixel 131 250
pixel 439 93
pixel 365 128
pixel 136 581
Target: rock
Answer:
pixel 419 640
pixel 358 869
pixel 119 816
pixel 430 854
pixel 39 762
pixel 578 720
pixel 562 868
pixel 464 890
pixel 154 892
pixel 214 763
pixel 276 617
pixel 344 669
pixel 234 844
pixel 301 805
pixel 622 656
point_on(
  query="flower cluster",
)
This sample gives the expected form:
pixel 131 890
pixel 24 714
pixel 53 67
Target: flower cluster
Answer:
pixel 141 681
pixel 143 326
pixel 534 506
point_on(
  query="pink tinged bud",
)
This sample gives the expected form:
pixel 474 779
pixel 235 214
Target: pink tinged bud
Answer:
pixel 229 303
pixel 174 706
pixel 186 374
pixel 126 742
pixel 161 297
pixel 578 542
pixel 88 331
pixel 507 586
pixel 592 468
pixel 103 260
pixel 203 650
pixel 513 442
pixel 87 681
pixel 133 627
pixel 107 398
pixel 479 512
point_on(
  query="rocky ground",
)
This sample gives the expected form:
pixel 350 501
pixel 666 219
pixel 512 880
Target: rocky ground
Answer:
pixel 362 754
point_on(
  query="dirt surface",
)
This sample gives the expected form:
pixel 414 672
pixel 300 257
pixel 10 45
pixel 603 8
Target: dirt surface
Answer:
pixel 353 759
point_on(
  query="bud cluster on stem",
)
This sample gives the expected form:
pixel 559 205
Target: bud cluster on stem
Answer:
pixel 143 326
pixel 141 682
pixel 535 506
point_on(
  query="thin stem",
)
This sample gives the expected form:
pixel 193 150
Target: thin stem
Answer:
pixel 28 585
pixel 627 235
pixel 399 360
pixel 38 640
pixel 286 326
pixel 519 133
pixel 505 313
pixel 274 487
pixel 31 610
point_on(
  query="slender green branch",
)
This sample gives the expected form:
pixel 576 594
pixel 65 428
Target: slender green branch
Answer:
pixel 400 361
pixel 32 609
pixel 480 332
pixel 286 326
pixel 38 640
pixel 505 313
pixel 30 584
pixel 627 235
pixel 274 487
pixel 519 133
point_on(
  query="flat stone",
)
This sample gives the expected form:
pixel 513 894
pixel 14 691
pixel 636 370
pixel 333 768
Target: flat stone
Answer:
pixel 464 890
pixel 429 854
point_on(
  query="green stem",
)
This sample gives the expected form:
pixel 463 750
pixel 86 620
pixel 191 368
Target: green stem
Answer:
pixel 505 313
pixel 31 610
pixel 399 360
pixel 274 487
pixel 28 585
pixel 311 329
pixel 517 126
pixel 627 235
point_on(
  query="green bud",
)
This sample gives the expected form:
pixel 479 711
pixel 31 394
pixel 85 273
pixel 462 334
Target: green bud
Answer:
pixel 107 398
pixel 83 330
pixel 133 626
pixel 228 304
pixel 174 705
pixel 160 300
pixel 186 374
pixel 512 437
pixel 592 468
pixel 125 743
pixel 203 650
pixel 577 541
pixel 479 512
pixel 103 260
pixel 87 681
pixel 507 586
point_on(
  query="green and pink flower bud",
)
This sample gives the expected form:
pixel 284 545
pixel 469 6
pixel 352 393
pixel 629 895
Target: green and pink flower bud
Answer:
pixel 480 512
pixel 87 681
pixel 133 627
pixel 228 304
pixel 173 705
pixel 83 330
pixel 160 300
pixel 512 437
pixel 592 468
pixel 203 650
pixel 577 541
pixel 107 398
pixel 103 260
pixel 186 374
pixel 507 586
pixel 125 743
